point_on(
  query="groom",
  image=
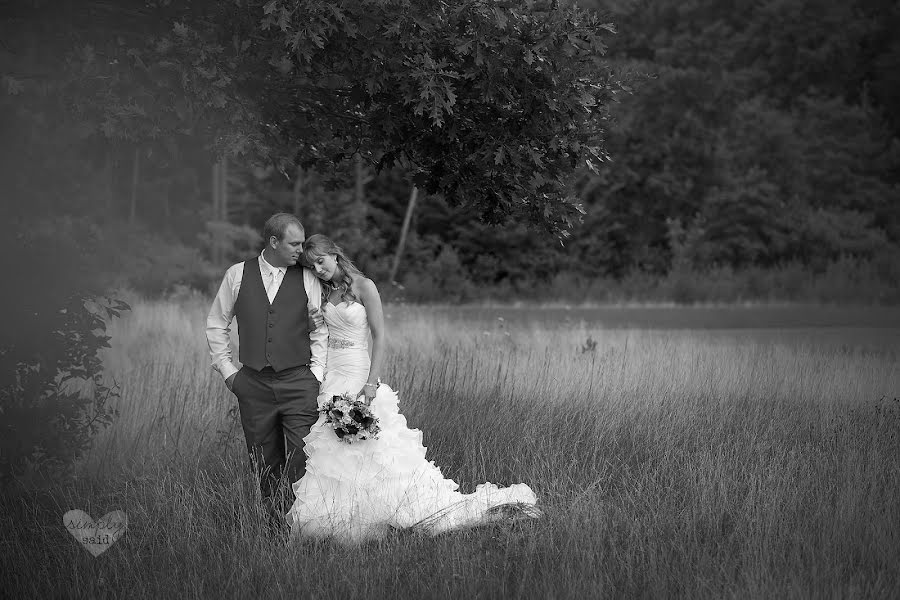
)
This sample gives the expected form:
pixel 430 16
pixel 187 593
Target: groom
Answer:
pixel 282 341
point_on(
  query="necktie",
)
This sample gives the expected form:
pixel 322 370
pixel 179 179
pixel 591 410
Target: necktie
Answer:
pixel 272 286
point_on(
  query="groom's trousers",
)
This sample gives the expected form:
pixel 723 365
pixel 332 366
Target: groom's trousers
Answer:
pixel 277 410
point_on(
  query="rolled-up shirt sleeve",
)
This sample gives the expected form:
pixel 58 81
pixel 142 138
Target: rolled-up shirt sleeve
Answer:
pixel 318 338
pixel 218 324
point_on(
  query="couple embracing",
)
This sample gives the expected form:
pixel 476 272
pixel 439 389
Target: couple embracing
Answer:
pixel 305 314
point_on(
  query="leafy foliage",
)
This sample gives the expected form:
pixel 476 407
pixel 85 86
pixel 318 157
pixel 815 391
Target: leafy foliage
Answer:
pixel 53 396
pixel 491 104
pixel 757 132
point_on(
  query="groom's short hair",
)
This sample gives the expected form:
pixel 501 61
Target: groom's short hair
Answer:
pixel 277 225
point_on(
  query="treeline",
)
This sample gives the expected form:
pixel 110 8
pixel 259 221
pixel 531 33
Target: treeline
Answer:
pixel 767 134
pixel 756 159
pixel 752 154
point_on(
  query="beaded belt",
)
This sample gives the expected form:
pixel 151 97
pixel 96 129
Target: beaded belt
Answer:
pixel 341 343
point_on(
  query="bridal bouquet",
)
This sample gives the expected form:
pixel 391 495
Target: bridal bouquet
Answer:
pixel 350 418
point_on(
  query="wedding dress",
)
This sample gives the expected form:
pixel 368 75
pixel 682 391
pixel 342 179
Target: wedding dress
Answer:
pixel 358 491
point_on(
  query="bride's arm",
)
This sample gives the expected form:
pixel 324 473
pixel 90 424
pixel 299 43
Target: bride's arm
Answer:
pixel 368 294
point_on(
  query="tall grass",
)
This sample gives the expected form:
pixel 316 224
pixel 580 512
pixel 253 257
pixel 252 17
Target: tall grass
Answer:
pixel 666 463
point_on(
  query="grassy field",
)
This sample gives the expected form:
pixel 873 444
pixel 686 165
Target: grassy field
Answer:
pixel 668 463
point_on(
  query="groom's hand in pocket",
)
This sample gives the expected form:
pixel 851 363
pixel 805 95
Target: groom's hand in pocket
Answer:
pixel 229 383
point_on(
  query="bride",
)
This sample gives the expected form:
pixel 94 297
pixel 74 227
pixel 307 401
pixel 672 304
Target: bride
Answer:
pixel 358 491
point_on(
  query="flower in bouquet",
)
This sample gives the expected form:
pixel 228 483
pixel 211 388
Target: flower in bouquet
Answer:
pixel 350 418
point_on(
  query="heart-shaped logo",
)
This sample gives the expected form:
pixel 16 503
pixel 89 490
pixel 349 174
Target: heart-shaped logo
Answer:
pixel 96 536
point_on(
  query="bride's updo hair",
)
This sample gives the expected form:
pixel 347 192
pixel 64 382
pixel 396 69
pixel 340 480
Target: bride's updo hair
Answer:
pixel 318 245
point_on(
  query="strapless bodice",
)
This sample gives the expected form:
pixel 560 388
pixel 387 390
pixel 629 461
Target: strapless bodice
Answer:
pixel 347 364
pixel 347 325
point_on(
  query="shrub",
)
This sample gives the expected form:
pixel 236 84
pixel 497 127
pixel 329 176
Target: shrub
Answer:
pixel 443 280
pixel 52 394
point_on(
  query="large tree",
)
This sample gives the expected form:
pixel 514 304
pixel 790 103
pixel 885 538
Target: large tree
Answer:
pixel 492 104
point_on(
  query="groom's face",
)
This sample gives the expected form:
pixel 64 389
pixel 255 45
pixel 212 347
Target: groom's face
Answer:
pixel 286 251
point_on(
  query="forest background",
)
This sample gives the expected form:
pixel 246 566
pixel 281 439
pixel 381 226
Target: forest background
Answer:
pixel 752 156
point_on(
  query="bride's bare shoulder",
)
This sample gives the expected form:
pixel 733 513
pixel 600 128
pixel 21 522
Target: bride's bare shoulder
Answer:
pixel 364 288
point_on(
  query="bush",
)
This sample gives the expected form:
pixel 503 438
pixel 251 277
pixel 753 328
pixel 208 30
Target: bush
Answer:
pixel 847 280
pixel 52 394
pixel 443 280
pixel 154 264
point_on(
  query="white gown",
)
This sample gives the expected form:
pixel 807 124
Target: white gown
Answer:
pixel 358 491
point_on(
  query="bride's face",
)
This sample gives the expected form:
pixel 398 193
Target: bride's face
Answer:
pixel 325 266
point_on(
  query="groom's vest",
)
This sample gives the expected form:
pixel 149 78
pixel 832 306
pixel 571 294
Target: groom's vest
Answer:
pixel 276 335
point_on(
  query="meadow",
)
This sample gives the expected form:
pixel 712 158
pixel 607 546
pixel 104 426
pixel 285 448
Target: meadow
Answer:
pixel 668 461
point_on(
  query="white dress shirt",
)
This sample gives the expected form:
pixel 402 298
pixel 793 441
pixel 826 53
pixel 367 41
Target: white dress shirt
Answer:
pixel 221 313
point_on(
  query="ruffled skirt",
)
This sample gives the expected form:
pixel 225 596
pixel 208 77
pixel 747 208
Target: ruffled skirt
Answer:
pixel 358 491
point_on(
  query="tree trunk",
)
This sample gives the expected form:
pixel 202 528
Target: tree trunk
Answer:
pixel 109 178
pixel 358 168
pixel 223 190
pixel 362 177
pixel 135 177
pixel 403 232
pixel 215 191
pixel 216 184
pixel 298 187
pixel 167 209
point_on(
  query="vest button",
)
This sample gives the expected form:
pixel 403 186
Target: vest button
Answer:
pixel 270 339
pixel 271 311
pixel 271 325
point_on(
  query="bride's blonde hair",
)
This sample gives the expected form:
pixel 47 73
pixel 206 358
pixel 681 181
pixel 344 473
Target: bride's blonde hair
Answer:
pixel 319 245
